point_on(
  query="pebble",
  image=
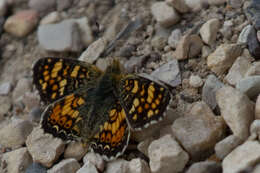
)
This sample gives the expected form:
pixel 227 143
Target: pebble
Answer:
pixel 169 73
pixel 244 156
pixel 21 23
pixel 36 168
pixel 75 150
pixel 44 148
pixel 223 57
pixel 205 51
pixel 117 166
pixel 253 13
pixel 92 53
pixel 22 86
pixel 103 63
pixel 179 5
pixel 63 4
pixel 174 38
pixel 5 106
pixel 5 88
pixel 17 160
pixel 194 5
pixel 14 134
pixel 42 6
pixel 205 167
pixel 164 14
pixel 254 70
pixel 188 47
pixel 65 166
pixel 250 86
pixel 257 108
pixel 238 70
pixel 195 81
pixel 158 42
pixel 96 160
pixel 31 100
pixel 138 166
pixel 225 146
pixel 209 30
pixel 243 36
pixel 167 156
pixel 212 84
pixel 60 37
pixel 88 167
pixel 86 34
pixel 253 43
pixel 236 109
pixel 226 29
pixel 3 7
pixel 134 63
pixel 51 18
pixel 199 131
pixel 255 130
pixel 143 145
pixel 235 3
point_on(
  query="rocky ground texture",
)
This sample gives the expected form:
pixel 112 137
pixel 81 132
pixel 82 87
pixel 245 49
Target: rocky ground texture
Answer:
pixel 207 50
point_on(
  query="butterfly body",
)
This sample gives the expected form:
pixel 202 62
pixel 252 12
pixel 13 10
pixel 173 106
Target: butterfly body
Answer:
pixel 94 106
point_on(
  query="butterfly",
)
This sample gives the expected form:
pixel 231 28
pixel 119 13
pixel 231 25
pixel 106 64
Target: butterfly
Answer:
pixel 98 107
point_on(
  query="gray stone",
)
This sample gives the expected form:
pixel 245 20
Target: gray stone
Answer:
pixel 88 167
pixel 143 145
pixel 86 35
pixel 117 166
pixel 199 131
pixel 36 168
pixel 254 70
pixel 103 63
pixel 134 63
pixel 96 160
pixel 253 43
pixel 167 156
pixel 17 160
pixel 75 150
pixel 5 106
pixel 42 6
pixel 14 134
pixel 63 4
pixel 238 70
pixel 22 86
pixel 227 29
pixel 236 109
pixel 209 30
pixel 225 146
pixel 244 156
pixel 92 53
pixel 223 57
pixel 209 90
pixel 174 38
pixel 164 14
pixel 194 5
pixel 250 86
pixel 44 148
pixel 257 108
pixel 65 166
pixel 51 18
pixel 179 5
pixel 60 37
pixel 5 88
pixel 169 73
pixel 158 42
pixel 205 167
pixel 138 166
pixel 195 81
pixel 243 36
pixel 3 7
pixel 255 130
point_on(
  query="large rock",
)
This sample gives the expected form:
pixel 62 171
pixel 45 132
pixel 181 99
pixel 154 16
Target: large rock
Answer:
pixel 236 109
pixel 65 166
pixel 223 57
pixel 243 157
pixel 250 86
pixel 208 31
pixel 199 131
pixel 167 156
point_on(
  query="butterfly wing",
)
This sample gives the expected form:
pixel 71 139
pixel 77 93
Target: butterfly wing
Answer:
pixel 144 101
pixel 57 77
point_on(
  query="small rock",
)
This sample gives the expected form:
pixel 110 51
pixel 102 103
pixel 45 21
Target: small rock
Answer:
pixel 236 109
pixel 75 150
pixel 227 28
pixel 3 7
pixel 224 147
pixel 235 3
pixel 134 63
pixel 174 38
pixel 166 156
pixel 209 90
pixel 143 145
pixel 194 5
pixel 31 100
pixel 254 70
pixel 253 13
pixel 36 168
pixel 65 166
pixel 244 156
pixel 60 37
pixel 238 70
pixel 188 47
pixel 158 42
pixel 92 53
pixel 164 14
pixel 95 159
pixel 21 23
pixel 257 108
pixel 17 161
pixel 51 18
pixel 179 5
pixel 42 6
pixel 138 166
pixel 22 86
pixel 13 135
pixel 117 166
pixel 205 51
pixel 195 81
pixel 85 31
pixel 5 88
pixel 169 73
pixel 63 4
pixel 5 106
pixel 250 86
pixel 88 167
pixel 199 131
pixel 44 148
pixel 255 130
pixel 223 57
pixel 256 169
pixel 253 43
pixel 205 167
pixel 243 36
pixel 103 63
pixel 208 31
